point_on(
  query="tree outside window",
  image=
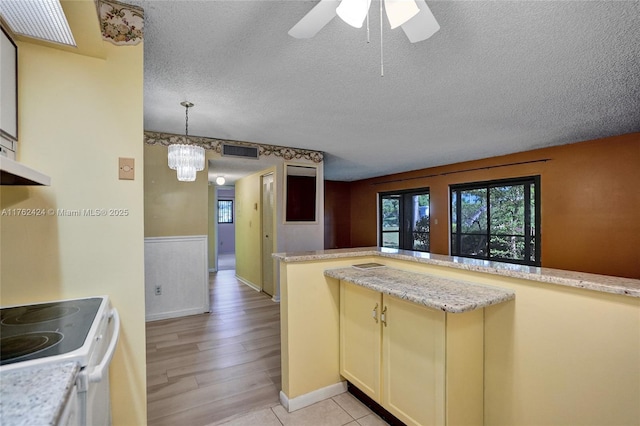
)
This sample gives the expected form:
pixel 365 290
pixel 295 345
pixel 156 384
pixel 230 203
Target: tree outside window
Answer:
pixel 497 220
pixel 225 211
pixel 404 220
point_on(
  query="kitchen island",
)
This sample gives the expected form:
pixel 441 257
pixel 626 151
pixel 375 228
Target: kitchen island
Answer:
pixel 566 350
pixel 423 289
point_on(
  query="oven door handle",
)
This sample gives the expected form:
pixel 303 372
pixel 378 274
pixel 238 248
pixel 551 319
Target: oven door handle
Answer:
pixel 96 374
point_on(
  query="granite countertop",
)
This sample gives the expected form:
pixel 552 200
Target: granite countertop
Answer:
pixel 602 283
pixel 435 292
pixel 36 395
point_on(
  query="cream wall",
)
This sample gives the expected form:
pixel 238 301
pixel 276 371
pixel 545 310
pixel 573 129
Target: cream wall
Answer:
pixel 172 207
pixel 77 115
pixel 288 236
pixel 248 219
pixel 554 355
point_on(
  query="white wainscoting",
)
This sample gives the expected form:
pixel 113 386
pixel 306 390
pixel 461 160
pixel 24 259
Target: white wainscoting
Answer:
pixel 179 265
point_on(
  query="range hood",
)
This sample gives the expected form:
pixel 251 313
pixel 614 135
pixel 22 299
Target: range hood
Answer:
pixel 14 173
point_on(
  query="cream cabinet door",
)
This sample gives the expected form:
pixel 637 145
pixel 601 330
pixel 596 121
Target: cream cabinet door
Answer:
pixel 360 336
pixel 413 362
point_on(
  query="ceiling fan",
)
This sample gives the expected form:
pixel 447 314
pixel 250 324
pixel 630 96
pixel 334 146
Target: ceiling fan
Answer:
pixel 413 16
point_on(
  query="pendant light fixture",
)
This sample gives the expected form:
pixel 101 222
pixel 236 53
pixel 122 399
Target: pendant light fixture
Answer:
pixel 186 159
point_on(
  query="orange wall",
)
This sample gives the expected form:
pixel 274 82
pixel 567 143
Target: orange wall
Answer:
pixel 590 202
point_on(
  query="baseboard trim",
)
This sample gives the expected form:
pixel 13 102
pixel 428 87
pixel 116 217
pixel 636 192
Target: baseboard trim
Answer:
pixel 312 397
pixel 249 283
pixel 175 314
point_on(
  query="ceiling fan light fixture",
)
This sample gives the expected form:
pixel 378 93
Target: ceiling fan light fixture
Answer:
pixel 400 11
pixel 422 26
pixel 353 12
pixel 413 16
pixel 315 19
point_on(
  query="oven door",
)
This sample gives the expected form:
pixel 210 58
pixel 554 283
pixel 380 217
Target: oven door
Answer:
pixel 93 380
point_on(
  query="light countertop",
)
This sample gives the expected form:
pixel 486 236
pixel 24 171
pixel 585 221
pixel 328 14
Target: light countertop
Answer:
pixel 444 294
pixel 36 395
pixel 602 283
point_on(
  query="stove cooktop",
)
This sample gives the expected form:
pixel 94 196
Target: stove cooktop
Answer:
pixel 45 329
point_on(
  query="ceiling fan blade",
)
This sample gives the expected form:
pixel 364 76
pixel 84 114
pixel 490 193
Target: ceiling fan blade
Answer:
pixel 315 19
pixel 423 25
pixel 400 11
pixel 353 12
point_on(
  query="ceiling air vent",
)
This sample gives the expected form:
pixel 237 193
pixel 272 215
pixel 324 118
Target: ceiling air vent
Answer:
pixel 240 151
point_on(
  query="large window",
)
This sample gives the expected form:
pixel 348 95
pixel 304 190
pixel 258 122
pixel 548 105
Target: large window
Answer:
pixel 497 220
pixel 404 220
pixel 225 211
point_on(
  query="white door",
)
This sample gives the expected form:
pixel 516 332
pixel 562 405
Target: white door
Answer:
pixel 267 234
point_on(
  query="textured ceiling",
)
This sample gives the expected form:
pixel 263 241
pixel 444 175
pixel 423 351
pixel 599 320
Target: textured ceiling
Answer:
pixel 499 77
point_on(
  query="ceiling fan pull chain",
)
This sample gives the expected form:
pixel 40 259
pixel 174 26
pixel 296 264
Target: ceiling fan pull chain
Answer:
pixel 368 37
pixel 381 49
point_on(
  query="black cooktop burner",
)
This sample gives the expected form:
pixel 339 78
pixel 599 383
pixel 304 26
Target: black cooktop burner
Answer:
pixel 45 329
pixel 15 347
pixel 37 315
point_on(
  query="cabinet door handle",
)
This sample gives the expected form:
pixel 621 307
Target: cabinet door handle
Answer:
pixel 374 313
pixel 383 316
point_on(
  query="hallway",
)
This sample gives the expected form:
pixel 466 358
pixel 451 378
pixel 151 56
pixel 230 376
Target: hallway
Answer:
pixel 204 368
pixel 224 367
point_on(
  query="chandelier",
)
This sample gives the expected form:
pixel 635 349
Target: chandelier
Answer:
pixel 186 159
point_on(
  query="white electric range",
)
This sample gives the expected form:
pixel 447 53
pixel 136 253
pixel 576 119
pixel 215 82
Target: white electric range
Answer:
pixel 84 331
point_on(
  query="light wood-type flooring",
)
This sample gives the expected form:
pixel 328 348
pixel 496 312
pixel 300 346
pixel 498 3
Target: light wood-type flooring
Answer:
pixel 224 367
pixel 204 368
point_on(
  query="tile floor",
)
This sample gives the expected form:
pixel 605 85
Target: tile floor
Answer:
pixel 340 410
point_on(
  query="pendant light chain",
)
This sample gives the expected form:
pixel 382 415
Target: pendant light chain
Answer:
pixel 186 123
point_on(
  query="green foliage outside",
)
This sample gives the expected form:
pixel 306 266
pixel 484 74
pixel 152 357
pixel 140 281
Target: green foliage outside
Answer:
pixel 421 234
pixel 501 215
pixel 392 221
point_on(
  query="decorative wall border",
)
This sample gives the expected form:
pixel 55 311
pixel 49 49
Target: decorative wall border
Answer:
pixel 121 24
pixel 287 153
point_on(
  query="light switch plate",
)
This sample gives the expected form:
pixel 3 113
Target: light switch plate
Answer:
pixel 126 168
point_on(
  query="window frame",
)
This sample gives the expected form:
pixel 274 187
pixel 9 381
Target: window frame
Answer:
pixel 526 181
pixel 405 229
pixel 231 219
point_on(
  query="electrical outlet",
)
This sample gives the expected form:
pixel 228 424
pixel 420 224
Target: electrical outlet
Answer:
pixel 158 290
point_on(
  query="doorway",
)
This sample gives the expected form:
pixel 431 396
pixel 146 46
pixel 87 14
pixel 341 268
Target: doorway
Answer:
pixel 225 223
pixel 268 237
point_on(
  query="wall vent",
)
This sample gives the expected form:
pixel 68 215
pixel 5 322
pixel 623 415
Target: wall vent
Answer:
pixel 243 151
